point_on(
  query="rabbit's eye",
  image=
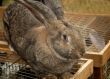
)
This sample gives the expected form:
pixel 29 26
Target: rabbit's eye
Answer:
pixel 65 37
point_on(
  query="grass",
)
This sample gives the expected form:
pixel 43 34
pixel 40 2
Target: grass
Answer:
pixel 87 6
pixel 7 2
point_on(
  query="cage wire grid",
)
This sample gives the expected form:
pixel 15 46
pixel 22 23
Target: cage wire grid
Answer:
pixel 85 23
pixel 20 70
pixel 16 70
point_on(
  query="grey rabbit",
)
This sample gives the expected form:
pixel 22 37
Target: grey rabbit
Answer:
pixel 43 41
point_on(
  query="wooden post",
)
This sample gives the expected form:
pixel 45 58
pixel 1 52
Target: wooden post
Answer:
pixel 99 73
pixel 2 9
pixel 100 59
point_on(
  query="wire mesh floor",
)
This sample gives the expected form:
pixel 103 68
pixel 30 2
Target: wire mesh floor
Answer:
pixel 22 71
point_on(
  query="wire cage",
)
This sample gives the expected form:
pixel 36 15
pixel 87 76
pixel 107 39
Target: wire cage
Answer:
pixel 85 15
pixel 13 67
pixel 14 71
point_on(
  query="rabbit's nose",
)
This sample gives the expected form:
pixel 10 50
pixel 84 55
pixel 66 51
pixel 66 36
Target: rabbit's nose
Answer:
pixel 76 56
pixel 82 52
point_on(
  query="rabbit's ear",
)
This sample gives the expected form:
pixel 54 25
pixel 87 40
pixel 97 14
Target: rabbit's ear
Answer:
pixel 43 9
pixel 97 40
pixel 56 7
pixel 41 12
pixel 51 22
pixel 35 12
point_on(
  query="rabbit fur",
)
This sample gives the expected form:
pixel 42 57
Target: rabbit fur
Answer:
pixel 42 40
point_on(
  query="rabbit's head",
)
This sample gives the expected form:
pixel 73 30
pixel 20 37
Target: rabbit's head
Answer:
pixel 66 41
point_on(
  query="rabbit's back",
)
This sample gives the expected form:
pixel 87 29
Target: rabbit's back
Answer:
pixel 18 19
